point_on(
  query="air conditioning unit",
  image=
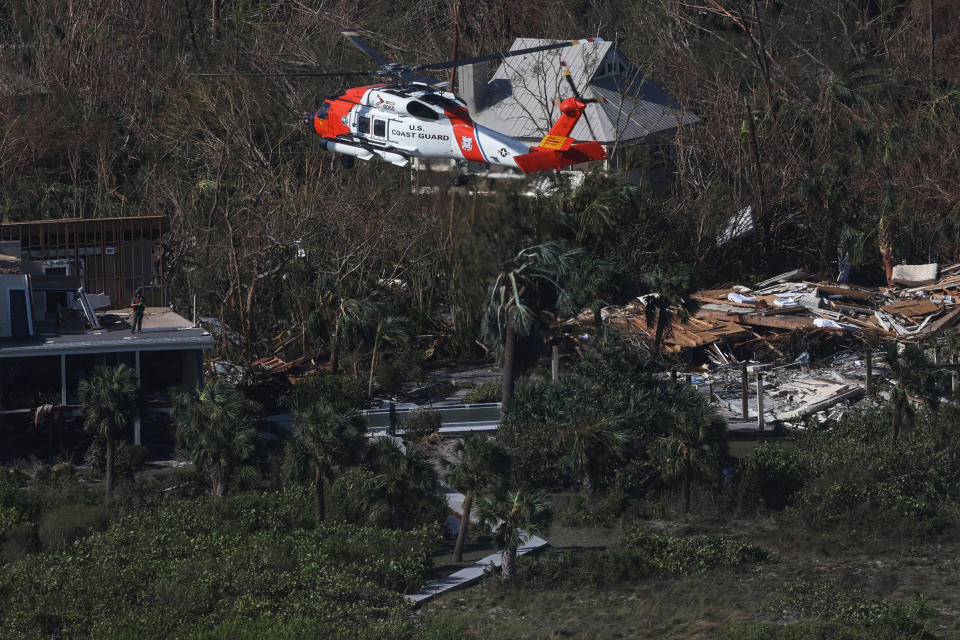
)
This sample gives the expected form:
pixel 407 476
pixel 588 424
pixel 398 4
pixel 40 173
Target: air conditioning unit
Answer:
pixel 110 251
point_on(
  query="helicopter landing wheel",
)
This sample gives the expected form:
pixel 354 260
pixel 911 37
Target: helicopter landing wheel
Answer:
pixel 347 161
pixel 460 179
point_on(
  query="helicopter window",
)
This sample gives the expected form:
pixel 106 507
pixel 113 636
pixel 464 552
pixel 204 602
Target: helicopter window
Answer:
pixel 420 110
pixel 323 111
pixel 380 128
pixel 363 124
pixel 440 101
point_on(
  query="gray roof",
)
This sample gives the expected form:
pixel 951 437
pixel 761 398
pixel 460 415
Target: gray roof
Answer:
pixel 521 97
pixel 162 339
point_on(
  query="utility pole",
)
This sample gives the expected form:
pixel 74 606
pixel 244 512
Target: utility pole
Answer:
pixel 869 361
pixel 744 390
pixel 760 402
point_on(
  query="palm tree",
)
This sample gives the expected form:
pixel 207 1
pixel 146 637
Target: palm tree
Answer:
pixel 391 329
pixel 596 283
pixel 513 518
pixel 914 376
pixel 696 440
pixel 405 479
pixel 530 284
pixel 592 444
pixel 216 424
pixel 355 319
pixel 669 298
pixel 110 399
pixel 330 440
pixel 481 463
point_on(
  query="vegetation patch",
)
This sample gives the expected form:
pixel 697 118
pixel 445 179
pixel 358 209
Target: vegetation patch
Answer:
pixel 643 555
pixel 182 569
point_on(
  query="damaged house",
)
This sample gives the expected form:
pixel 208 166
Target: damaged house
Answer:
pixel 53 333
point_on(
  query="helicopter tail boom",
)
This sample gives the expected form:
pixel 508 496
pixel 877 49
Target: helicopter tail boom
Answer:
pixel 543 159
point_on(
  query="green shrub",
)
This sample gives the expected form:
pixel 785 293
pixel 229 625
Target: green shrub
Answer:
pixel 342 391
pixel 856 480
pixel 9 516
pixel 398 368
pixel 490 391
pixel 420 424
pixel 642 555
pixel 21 540
pixel 235 567
pixel 61 526
pixel 793 631
pixel 351 499
pixel 128 459
pixel 769 478
pixel 808 600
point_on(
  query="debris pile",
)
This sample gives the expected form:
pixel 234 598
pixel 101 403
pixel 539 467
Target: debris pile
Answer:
pixel 792 313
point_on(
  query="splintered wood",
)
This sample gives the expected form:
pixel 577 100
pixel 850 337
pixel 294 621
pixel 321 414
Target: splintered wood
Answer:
pixel 787 313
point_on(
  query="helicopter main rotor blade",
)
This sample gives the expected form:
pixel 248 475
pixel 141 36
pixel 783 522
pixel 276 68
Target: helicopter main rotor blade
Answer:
pixel 449 64
pixel 357 40
pixel 294 74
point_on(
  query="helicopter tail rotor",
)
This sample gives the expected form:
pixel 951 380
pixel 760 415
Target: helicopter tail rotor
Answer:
pixel 576 94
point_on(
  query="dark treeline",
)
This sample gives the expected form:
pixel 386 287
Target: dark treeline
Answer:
pixel 836 120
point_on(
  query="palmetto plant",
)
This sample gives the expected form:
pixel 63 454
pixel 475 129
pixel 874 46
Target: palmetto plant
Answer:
pixel 405 479
pixel 513 518
pixel 216 424
pixel 695 441
pixel 914 378
pixel 531 283
pixel 110 401
pixel 667 300
pixel 591 445
pixel 480 464
pixel 330 441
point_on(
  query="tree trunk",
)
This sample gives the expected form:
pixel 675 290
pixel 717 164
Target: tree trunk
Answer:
pixel 319 503
pixel 464 525
pixel 373 362
pixel 334 347
pixel 108 475
pixel 508 354
pixel 685 491
pixel 509 563
pixel 885 244
pixel 933 47
pixel 598 319
pixel 658 334
pixel 896 420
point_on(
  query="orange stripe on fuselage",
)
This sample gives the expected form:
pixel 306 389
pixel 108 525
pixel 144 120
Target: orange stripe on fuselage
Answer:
pixel 465 134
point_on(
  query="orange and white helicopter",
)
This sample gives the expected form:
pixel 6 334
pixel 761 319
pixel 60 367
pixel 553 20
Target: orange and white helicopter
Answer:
pixel 408 115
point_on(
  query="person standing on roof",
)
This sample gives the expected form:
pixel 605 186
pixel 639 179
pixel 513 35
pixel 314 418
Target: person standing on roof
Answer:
pixel 138 306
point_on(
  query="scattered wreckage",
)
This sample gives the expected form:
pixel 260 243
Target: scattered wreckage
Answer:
pixel 785 319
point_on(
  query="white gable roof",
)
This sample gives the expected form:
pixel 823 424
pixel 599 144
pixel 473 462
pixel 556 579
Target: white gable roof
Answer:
pixel 521 97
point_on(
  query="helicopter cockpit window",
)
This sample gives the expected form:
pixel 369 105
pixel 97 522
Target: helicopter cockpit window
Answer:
pixel 323 111
pixel 363 124
pixel 440 101
pixel 420 110
pixel 380 128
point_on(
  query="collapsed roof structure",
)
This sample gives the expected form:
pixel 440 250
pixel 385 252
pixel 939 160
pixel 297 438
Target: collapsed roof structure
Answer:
pixel 784 315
